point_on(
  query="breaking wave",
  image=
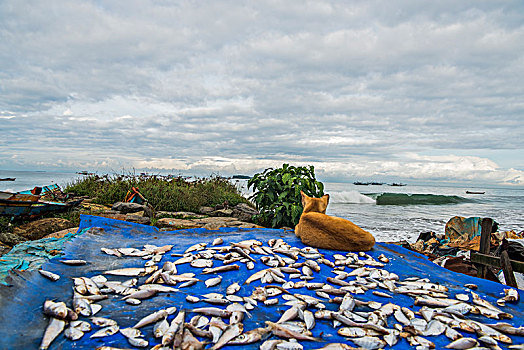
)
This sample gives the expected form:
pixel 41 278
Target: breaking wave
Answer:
pixel 353 197
pixel 416 199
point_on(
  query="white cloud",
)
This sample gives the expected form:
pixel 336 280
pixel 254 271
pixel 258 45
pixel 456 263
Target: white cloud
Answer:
pixel 367 88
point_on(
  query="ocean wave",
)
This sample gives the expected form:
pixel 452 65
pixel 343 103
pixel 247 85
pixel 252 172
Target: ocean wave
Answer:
pixel 353 197
pixel 416 199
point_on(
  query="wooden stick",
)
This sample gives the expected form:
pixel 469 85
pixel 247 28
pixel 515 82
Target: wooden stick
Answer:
pixel 485 242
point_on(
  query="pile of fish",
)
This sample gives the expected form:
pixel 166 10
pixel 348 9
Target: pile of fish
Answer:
pixel 213 315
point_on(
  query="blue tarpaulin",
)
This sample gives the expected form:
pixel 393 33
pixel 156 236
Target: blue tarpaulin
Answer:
pixel 23 322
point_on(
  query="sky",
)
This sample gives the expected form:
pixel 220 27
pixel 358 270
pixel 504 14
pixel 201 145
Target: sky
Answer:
pixel 394 90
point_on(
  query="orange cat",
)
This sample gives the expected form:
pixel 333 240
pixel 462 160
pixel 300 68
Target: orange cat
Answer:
pixel 317 229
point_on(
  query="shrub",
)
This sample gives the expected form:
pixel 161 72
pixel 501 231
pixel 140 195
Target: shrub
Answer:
pixel 163 193
pixel 277 194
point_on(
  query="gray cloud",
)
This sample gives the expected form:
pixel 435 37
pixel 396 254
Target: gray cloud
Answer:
pixel 399 89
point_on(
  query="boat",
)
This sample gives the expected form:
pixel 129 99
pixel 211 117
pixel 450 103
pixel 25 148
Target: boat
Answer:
pixel 358 183
pixel 8 179
pixel 397 184
pixel 475 192
pixel 30 203
pixel 15 206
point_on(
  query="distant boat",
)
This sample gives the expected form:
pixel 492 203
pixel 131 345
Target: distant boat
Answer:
pixel 397 184
pixel 84 172
pixel 358 183
pixel 8 179
pixel 474 192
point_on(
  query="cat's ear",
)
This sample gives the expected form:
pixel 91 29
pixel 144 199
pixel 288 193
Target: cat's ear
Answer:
pixel 326 198
pixel 303 198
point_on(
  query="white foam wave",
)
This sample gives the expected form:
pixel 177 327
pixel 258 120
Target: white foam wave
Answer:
pixel 350 197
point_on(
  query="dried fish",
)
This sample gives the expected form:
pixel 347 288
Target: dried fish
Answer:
pixel 49 275
pixel 104 332
pixel 74 262
pixel 54 328
pixel 211 282
pixel 462 343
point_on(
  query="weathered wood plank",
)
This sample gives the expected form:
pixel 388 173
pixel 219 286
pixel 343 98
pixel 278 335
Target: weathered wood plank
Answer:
pixel 494 261
pixel 505 262
pixel 485 242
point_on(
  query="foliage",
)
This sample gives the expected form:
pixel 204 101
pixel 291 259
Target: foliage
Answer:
pixel 277 194
pixel 162 192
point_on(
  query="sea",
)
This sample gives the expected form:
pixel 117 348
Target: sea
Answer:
pixel 390 213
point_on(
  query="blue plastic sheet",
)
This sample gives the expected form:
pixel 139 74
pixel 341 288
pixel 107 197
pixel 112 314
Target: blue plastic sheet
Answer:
pixel 23 323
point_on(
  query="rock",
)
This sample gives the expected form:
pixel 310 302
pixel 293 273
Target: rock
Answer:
pixel 149 211
pixel 213 226
pixel 215 220
pixel 111 216
pixel 86 205
pixel 138 219
pixel 206 210
pixel 180 214
pixel 244 212
pixel 40 228
pixel 62 233
pixel 177 223
pixel 249 225
pixel 111 212
pixel 10 239
pixel 125 208
pixel 222 212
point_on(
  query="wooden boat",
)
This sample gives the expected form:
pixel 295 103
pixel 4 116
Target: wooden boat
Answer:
pixel 29 204
pixel 474 192
pixel 8 179
pixel 32 208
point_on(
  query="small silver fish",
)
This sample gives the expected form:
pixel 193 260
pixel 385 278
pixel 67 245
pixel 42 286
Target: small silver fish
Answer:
pixel 54 328
pixel 201 263
pixel 217 241
pixel 73 333
pixel 104 332
pixel 138 342
pixel 192 299
pixel 49 275
pixel 462 343
pixel 130 271
pixel 73 262
pixel 151 318
pixel 103 322
pixel 131 332
pixel 233 288
pixel 160 328
pixel 211 282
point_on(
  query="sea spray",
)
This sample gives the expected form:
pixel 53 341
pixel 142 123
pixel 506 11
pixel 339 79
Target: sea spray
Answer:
pixel 350 197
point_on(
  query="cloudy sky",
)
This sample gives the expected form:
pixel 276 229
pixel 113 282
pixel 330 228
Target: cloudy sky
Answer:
pixel 392 90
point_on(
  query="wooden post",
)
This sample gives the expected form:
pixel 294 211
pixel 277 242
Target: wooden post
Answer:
pixel 485 242
pixel 506 265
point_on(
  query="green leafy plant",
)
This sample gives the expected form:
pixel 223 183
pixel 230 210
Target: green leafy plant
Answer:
pixel 277 194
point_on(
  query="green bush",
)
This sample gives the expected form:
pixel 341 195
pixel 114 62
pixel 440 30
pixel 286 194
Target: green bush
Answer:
pixel 163 193
pixel 277 194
